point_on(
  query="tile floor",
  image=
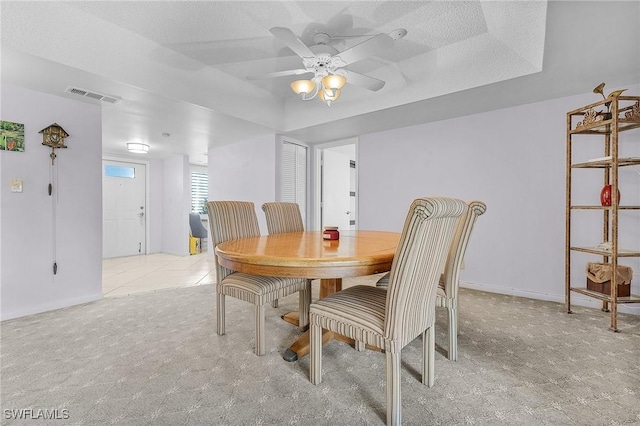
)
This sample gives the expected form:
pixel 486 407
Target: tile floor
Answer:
pixel 122 276
pixel 137 274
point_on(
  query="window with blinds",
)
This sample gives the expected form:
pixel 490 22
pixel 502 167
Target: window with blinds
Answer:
pixel 199 191
pixel 294 176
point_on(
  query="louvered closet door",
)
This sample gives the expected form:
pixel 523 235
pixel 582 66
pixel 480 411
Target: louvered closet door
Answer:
pixel 294 176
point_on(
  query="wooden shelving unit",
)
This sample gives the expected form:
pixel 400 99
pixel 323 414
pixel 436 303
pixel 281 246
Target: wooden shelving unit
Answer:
pixel 592 120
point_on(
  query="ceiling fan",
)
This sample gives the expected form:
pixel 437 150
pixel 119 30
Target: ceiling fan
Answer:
pixel 327 64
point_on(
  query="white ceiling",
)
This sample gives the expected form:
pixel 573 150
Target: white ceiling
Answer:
pixel 180 67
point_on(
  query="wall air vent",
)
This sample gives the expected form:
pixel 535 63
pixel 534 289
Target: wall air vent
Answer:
pixel 93 95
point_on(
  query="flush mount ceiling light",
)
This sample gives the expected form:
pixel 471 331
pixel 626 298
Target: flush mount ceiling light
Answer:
pixel 137 147
pixel 327 64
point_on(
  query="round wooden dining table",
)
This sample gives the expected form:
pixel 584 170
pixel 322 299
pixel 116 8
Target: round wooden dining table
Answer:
pixel 308 255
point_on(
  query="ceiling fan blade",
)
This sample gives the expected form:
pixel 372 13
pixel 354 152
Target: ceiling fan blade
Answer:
pixel 276 74
pixel 292 41
pixel 371 47
pixel 363 81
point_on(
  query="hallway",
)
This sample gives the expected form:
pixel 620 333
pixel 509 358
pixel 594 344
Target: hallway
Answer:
pixel 145 273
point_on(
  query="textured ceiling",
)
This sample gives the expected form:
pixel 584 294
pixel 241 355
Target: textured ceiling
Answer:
pixel 181 67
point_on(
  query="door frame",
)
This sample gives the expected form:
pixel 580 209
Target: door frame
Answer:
pixel 148 214
pixel 317 179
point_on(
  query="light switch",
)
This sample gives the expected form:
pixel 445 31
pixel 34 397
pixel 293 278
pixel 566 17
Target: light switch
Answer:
pixel 16 185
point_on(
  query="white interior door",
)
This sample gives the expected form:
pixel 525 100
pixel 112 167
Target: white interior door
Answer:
pixel 336 186
pixel 124 209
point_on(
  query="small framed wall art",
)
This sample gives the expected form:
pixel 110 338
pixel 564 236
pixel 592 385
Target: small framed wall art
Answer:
pixel 11 136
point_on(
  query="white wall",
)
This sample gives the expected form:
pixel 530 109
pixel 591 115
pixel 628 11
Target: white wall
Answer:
pixel 244 172
pixel 514 160
pixel 155 207
pixel 27 282
pixel 176 205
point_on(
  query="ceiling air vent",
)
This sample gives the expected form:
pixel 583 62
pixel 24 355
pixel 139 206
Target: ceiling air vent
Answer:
pixel 93 95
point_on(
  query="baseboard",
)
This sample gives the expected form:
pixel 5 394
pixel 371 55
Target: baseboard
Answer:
pixel 46 307
pixel 576 299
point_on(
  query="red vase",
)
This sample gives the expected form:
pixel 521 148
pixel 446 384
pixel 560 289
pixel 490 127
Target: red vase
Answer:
pixel 605 195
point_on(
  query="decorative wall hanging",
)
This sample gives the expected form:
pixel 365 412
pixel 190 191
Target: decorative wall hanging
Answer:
pixel 11 136
pixel 53 136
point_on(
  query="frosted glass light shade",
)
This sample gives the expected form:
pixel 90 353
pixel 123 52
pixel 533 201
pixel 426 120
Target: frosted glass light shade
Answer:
pixel 303 86
pixel 326 95
pixel 334 81
pixel 138 148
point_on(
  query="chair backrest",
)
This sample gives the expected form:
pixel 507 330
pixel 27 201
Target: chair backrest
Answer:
pixel 229 220
pixel 283 217
pixel 417 266
pixel 459 247
pixel 197 228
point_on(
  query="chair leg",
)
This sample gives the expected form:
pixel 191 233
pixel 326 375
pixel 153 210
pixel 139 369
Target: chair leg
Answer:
pixel 304 300
pixel 220 317
pixel 394 403
pixel 260 344
pixel 274 304
pixel 453 334
pixel 428 356
pixel 315 353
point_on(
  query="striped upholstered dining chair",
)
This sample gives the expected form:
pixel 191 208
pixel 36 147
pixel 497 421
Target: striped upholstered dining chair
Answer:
pixel 392 318
pixel 447 296
pixel 282 218
pixel 230 220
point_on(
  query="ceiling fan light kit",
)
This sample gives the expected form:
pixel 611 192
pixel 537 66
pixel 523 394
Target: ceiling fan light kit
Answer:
pixel 326 88
pixel 327 64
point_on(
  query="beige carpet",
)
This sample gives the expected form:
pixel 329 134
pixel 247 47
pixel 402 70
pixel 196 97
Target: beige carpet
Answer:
pixel 155 359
